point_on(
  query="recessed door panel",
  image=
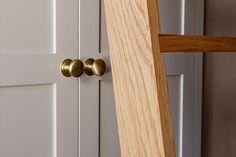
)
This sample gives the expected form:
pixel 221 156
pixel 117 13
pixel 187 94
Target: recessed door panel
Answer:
pixel 27 26
pixel 171 15
pixel 39 107
pixel 27 121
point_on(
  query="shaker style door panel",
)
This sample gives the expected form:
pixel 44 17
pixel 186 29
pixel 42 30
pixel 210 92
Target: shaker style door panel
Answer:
pixel 38 106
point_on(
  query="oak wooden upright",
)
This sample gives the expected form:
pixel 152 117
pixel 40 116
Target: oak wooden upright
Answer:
pixel 139 78
pixel 139 74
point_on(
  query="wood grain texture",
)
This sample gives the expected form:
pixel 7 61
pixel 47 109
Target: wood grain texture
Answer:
pixel 188 43
pixel 139 79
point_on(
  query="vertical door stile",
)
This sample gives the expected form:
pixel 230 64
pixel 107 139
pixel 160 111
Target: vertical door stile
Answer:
pixel 89 86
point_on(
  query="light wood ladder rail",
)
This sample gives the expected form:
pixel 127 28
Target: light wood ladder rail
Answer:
pixel 139 74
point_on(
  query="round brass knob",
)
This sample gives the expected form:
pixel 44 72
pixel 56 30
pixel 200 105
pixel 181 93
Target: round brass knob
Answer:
pixel 72 68
pixel 95 67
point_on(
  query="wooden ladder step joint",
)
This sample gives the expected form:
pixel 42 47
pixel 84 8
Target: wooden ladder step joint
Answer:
pixel 191 43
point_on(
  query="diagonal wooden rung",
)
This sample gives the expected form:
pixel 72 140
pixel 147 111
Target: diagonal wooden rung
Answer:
pixel 188 43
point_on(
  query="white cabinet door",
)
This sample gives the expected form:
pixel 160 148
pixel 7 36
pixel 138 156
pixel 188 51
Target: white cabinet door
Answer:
pixel 45 114
pixel 184 77
pixel 38 106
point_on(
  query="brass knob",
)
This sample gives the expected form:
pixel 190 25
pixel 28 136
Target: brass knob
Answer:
pixel 95 67
pixel 72 68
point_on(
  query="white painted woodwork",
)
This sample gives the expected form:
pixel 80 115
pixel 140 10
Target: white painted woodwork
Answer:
pixel 26 26
pixel 43 113
pixel 109 138
pixel 184 78
pixel 38 107
pixel 89 86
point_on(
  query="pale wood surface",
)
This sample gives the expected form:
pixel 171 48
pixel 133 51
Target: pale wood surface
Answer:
pixel 139 78
pixel 189 43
